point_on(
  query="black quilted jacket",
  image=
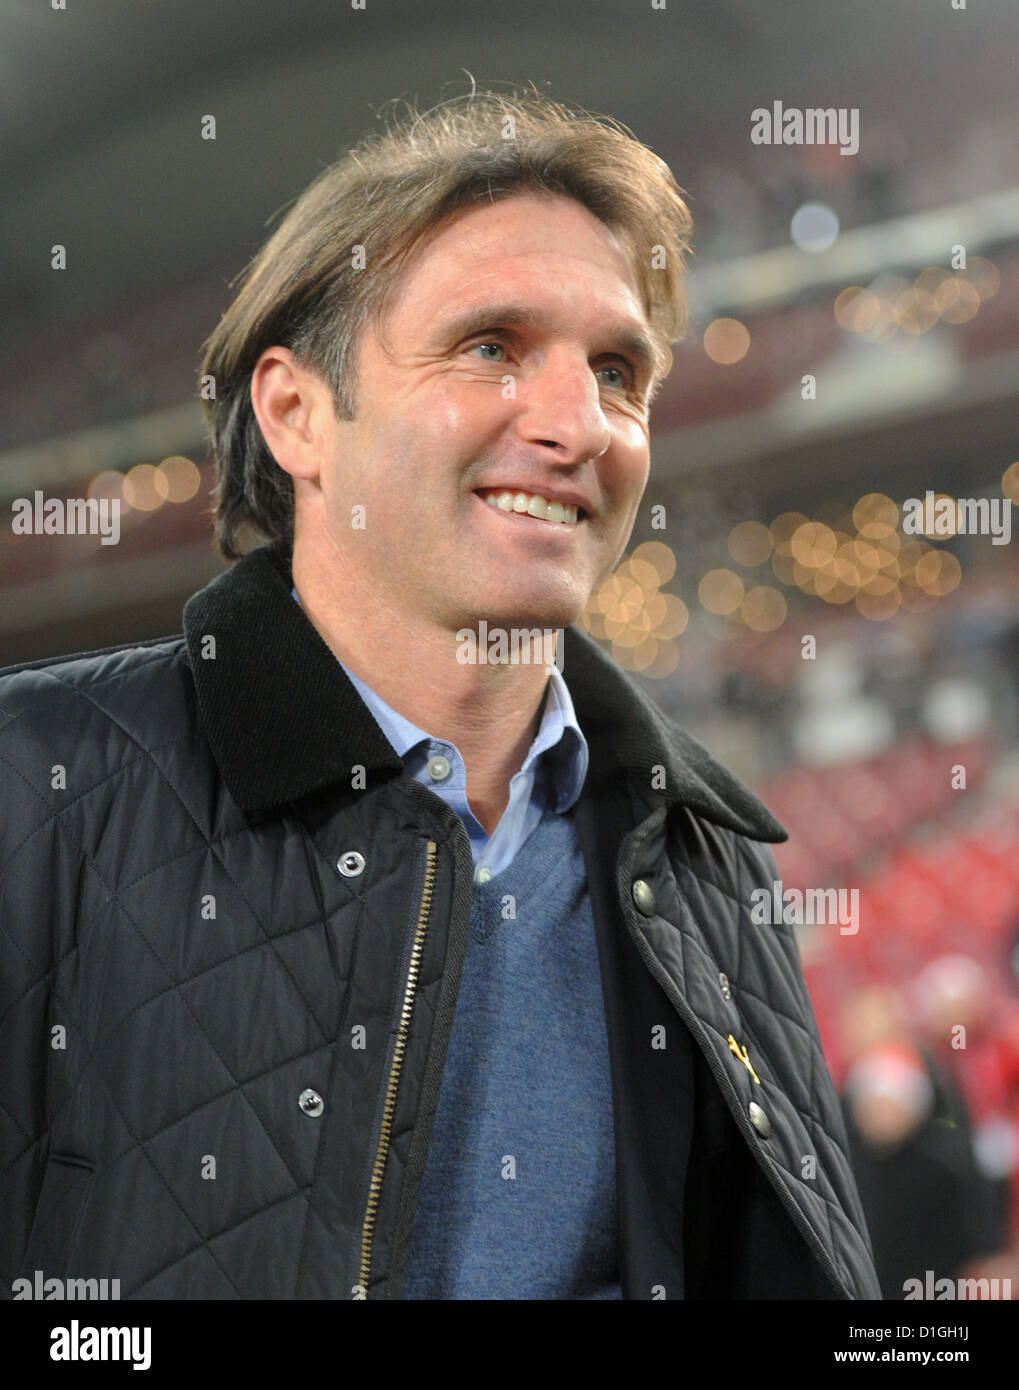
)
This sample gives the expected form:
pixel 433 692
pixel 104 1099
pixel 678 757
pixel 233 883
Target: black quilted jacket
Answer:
pixel 232 932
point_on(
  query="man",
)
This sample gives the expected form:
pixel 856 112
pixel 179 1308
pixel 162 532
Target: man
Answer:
pixel 387 973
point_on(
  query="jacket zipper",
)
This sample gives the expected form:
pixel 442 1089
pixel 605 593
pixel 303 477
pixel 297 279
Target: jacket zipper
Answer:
pixel 389 1109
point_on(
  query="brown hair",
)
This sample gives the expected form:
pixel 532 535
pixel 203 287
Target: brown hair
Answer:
pixel 304 289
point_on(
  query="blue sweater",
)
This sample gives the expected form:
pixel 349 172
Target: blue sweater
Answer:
pixel 518 1196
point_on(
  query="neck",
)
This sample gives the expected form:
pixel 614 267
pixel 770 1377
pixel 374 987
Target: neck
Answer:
pixel 489 711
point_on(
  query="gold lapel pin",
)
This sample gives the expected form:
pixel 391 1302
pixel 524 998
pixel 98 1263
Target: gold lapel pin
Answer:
pixel 741 1053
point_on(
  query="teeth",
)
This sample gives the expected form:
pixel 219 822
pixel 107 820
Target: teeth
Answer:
pixel 533 505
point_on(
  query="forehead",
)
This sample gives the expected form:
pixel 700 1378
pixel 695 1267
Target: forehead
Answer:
pixel 529 240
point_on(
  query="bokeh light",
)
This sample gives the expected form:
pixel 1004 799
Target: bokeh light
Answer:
pixel 721 591
pixel 956 299
pixel 630 611
pixel 109 484
pixel 659 556
pixel 675 618
pixel 915 311
pixel 875 516
pixel 726 341
pixel 750 543
pixel 938 572
pixel 856 309
pixel 814 227
pixel 813 543
pixel 145 488
pixel 764 608
pixel 181 476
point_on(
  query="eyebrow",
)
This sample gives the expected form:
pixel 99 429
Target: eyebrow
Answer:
pixel 631 342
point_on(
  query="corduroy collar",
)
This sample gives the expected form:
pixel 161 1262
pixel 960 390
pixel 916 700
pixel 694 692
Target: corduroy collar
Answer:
pixel 283 720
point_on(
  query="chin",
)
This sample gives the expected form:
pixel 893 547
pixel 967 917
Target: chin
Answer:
pixel 540 610
pixel 540 615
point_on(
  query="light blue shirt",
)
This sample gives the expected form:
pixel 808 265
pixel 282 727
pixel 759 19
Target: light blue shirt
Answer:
pixel 555 766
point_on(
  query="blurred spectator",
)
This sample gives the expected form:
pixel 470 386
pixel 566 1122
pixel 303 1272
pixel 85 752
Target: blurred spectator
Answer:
pixel 973 1038
pixel 928 1205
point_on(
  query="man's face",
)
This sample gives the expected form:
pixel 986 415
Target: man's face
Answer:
pixel 510 361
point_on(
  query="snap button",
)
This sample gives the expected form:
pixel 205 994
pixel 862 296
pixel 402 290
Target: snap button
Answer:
pixel 644 898
pixel 311 1102
pixel 439 768
pixel 759 1120
pixel 351 864
pixel 723 981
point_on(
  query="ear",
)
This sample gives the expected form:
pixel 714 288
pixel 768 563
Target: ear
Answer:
pixel 294 410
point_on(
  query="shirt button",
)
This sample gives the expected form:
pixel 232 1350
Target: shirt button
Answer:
pixel 483 875
pixel 439 768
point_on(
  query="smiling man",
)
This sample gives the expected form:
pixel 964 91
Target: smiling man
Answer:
pixel 382 973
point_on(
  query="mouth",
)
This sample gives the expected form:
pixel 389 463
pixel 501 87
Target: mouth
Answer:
pixel 517 506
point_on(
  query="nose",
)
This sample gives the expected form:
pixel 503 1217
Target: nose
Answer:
pixel 562 409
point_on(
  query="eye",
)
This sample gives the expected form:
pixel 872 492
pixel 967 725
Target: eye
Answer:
pixel 622 383
pixel 498 346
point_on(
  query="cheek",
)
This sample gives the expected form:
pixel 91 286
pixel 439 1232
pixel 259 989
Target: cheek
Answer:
pixel 441 439
pixel 458 411
pixel 631 446
pixel 633 470
pixel 428 427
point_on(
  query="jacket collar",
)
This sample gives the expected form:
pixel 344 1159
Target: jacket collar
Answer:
pixel 283 719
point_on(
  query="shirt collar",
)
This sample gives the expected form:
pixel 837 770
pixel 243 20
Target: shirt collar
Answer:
pixel 559 743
